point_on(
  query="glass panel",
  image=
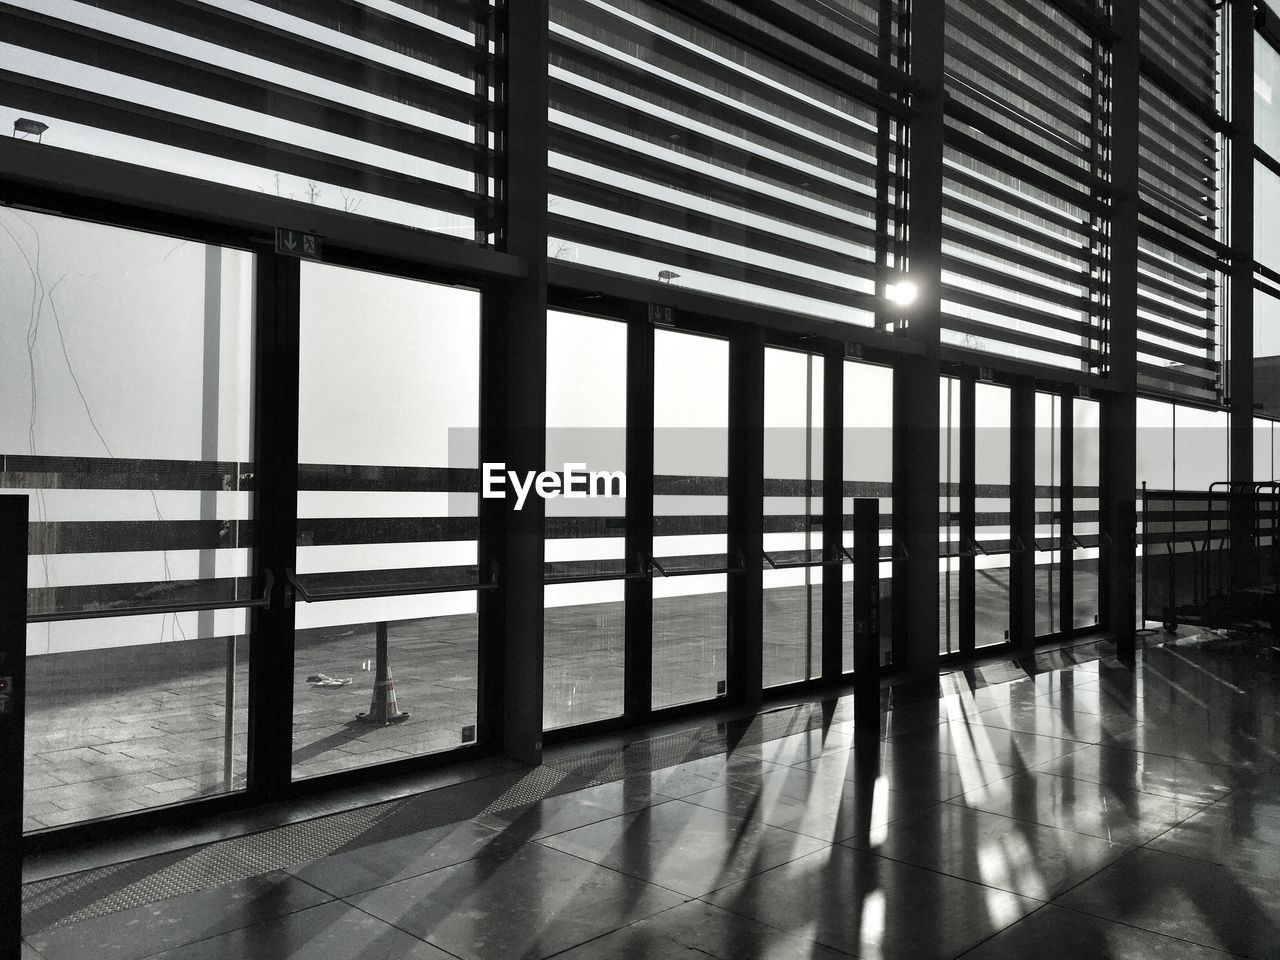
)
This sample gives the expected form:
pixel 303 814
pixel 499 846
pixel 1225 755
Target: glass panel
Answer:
pixel 1266 353
pixel 1155 444
pixel 1048 456
pixel 1266 200
pixel 366 109
pixel 793 385
pixel 949 517
pixel 1201 447
pixel 584 623
pixel 868 472
pixel 991 412
pixel 389 387
pixel 1263 449
pixel 126 411
pixel 1086 448
pixel 1266 96
pixel 690 507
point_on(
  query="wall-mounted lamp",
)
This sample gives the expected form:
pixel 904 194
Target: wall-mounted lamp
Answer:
pixel 666 276
pixel 29 128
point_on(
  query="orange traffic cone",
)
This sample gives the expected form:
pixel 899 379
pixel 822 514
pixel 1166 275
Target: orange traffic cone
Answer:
pixel 383 708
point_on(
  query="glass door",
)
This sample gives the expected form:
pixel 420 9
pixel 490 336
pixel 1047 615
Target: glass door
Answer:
pixel 386 576
pixel 584 598
pixel 990 546
pixel 690 559
pixel 793 508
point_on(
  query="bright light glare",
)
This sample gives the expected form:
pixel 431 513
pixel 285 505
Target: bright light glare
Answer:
pixel 903 293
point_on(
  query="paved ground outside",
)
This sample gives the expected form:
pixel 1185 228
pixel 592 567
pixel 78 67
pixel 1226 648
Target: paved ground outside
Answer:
pixel 119 731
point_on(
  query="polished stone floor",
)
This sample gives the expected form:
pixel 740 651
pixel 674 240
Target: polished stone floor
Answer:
pixel 1093 810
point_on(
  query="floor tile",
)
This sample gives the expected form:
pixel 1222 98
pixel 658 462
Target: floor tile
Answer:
pixel 699 931
pixel 1123 816
pixel 910 770
pixel 800 747
pixel 694 776
pixel 1187 899
pixel 1052 933
pixel 1231 833
pixel 1014 855
pixel 684 847
pixel 142 931
pixel 332 931
pixel 532 903
pixel 1122 768
pixel 378 864
pixel 965 739
pixel 1056 720
pixel 565 812
pixel 818 805
pixel 873 907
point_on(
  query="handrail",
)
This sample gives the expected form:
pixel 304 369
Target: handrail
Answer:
pixel 797 564
pixel 313 596
pixel 596 577
pixel 196 606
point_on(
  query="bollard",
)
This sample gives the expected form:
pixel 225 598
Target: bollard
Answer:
pixel 383 708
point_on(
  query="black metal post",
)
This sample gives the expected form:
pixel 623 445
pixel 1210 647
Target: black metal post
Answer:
pixel 916 419
pixel 746 515
pixel 832 514
pixel 638 683
pixel 968 515
pixel 1119 474
pixel 1022 518
pixel 13 692
pixel 513 411
pixel 866 614
pixel 276 524
pixel 1240 27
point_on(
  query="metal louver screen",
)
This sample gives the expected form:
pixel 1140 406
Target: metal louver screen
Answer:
pixel 1024 224
pixel 1181 257
pixel 377 110
pixel 679 156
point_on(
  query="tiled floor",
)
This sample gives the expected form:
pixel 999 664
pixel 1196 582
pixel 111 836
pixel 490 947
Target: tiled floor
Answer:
pixel 1093 811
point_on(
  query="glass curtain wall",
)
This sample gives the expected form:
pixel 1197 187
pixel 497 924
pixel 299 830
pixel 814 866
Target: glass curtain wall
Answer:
pixel 690 517
pixel 388 446
pixel 584 621
pixel 126 410
pixel 793 578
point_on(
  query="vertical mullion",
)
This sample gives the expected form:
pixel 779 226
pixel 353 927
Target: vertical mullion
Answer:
pixel 14 513
pixel 832 514
pixel 1022 517
pixel 916 414
pixel 746 516
pixel 277 321
pixel 638 669
pixel 968 531
pixel 1066 513
pixel 514 418
pixel 1240 187
pixel 1119 410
